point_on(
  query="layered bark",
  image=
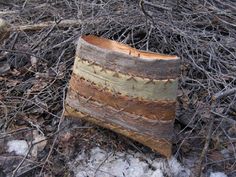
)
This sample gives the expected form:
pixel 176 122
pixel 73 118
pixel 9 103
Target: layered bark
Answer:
pixel 161 145
pixel 129 91
pixel 157 110
pixel 122 58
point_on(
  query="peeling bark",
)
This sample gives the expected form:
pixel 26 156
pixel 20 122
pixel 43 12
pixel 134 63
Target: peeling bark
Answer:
pixel 129 91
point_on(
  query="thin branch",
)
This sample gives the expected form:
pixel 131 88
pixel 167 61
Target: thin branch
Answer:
pixel 36 27
pixel 223 94
pixel 157 6
pixel 206 145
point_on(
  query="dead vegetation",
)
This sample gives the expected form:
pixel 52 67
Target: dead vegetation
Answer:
pixel 36 61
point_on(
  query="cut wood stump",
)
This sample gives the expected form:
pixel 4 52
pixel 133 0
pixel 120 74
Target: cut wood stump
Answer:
pixel 129 91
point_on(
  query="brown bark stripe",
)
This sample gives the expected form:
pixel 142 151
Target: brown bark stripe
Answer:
pixel 162 146
pixel 132 86
pixel 126 120
pixel 122 58
pixel 158 110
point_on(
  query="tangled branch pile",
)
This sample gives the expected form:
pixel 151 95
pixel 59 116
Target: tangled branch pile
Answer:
pixel 201 32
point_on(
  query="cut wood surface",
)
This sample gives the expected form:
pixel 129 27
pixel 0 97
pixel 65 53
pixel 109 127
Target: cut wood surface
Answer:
pixel 129 91
pixel 122 58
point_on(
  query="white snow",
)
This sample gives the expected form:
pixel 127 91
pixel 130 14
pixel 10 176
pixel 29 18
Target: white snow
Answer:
pixel 99 163
pixel 20 147
pixel 217 174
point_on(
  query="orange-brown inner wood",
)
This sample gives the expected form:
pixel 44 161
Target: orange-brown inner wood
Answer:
pixel 123 48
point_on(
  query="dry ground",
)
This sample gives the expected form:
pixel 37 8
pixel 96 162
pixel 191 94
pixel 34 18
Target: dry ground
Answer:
pixel 37 62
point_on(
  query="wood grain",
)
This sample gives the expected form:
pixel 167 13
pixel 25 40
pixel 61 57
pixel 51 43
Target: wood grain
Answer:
pixel 126 90
pixel 162 146
pixel 158 110
pixel 122 58
pixel 132 86
pixel 155 128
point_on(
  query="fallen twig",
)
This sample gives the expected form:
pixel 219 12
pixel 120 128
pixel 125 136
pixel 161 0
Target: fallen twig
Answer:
pixel 225 93
pixel 206 145
pixel 39 26
pixel 11 12
pixel 156 6
pixel 24 53
pixel 57 135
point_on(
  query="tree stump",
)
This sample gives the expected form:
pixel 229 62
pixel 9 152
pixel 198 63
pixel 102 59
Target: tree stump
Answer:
pixel 126 90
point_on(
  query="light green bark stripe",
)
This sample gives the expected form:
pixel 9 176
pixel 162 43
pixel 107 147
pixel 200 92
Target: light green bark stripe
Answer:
pixel 125 84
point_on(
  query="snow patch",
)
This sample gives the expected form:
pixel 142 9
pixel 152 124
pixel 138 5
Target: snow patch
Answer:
pixel 20 147
pixel 100 163
pixel 217 174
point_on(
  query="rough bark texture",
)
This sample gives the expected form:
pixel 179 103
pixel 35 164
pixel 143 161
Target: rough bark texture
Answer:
pixel 161 145
pixel 128 60
pixel 128 91
pixel 159 110
pixel 155 128
pixel 125 84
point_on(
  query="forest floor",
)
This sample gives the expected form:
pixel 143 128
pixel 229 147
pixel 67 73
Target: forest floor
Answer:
pixel 36 61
